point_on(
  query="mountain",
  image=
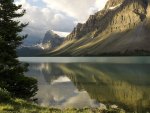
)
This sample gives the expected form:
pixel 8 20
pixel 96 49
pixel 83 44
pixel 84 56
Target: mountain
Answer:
pixel 121 28
pixel 29 51
pixel 50 41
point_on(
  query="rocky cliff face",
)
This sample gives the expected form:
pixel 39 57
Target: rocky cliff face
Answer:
pixel 148 9
pixel 51 40
pixel 117 15
pixel 122 26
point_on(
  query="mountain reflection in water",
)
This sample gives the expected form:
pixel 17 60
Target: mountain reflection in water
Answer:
pixel 89 84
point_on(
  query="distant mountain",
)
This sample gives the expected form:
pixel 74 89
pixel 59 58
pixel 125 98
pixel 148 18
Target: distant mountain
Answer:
pixel 28 51
pixel 121 28
pixel 49 42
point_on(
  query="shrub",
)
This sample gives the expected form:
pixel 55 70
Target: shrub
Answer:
pixel 4 95
pixel 20 86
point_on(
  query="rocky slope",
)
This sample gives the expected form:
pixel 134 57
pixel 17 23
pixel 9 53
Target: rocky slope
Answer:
pixel 121 28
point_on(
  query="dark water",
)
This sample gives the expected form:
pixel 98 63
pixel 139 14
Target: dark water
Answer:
pixel 93 82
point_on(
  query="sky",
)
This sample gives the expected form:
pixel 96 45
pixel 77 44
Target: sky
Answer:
pixel 57 15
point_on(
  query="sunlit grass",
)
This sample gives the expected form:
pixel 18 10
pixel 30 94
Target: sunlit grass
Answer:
pixel 21 106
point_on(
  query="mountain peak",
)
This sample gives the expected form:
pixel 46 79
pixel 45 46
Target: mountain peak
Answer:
pixel 49 35
pixel 51 40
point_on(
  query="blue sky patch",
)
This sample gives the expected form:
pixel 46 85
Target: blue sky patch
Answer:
pixel 38 3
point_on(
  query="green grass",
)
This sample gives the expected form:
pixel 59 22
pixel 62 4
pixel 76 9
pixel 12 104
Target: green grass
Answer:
pixel 21 106
pixel 14 105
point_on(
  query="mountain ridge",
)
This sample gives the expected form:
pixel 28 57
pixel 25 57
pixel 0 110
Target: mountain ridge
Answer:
pixel 122 29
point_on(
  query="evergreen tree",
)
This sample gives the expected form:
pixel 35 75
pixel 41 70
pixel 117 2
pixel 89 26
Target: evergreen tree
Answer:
pixel 11 70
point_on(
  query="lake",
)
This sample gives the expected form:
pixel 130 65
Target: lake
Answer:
pixel 79 82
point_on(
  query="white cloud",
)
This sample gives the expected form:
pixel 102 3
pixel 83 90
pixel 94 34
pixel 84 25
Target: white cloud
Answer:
pixel 57 15
pixel 42 19
pixel 75 8
pixel 62 93
pixel 61 79
pixel 100 4
pixel 62 34
pixel 79 9
pixel 82 99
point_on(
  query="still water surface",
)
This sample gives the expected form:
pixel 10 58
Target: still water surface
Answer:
pixel 92 81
